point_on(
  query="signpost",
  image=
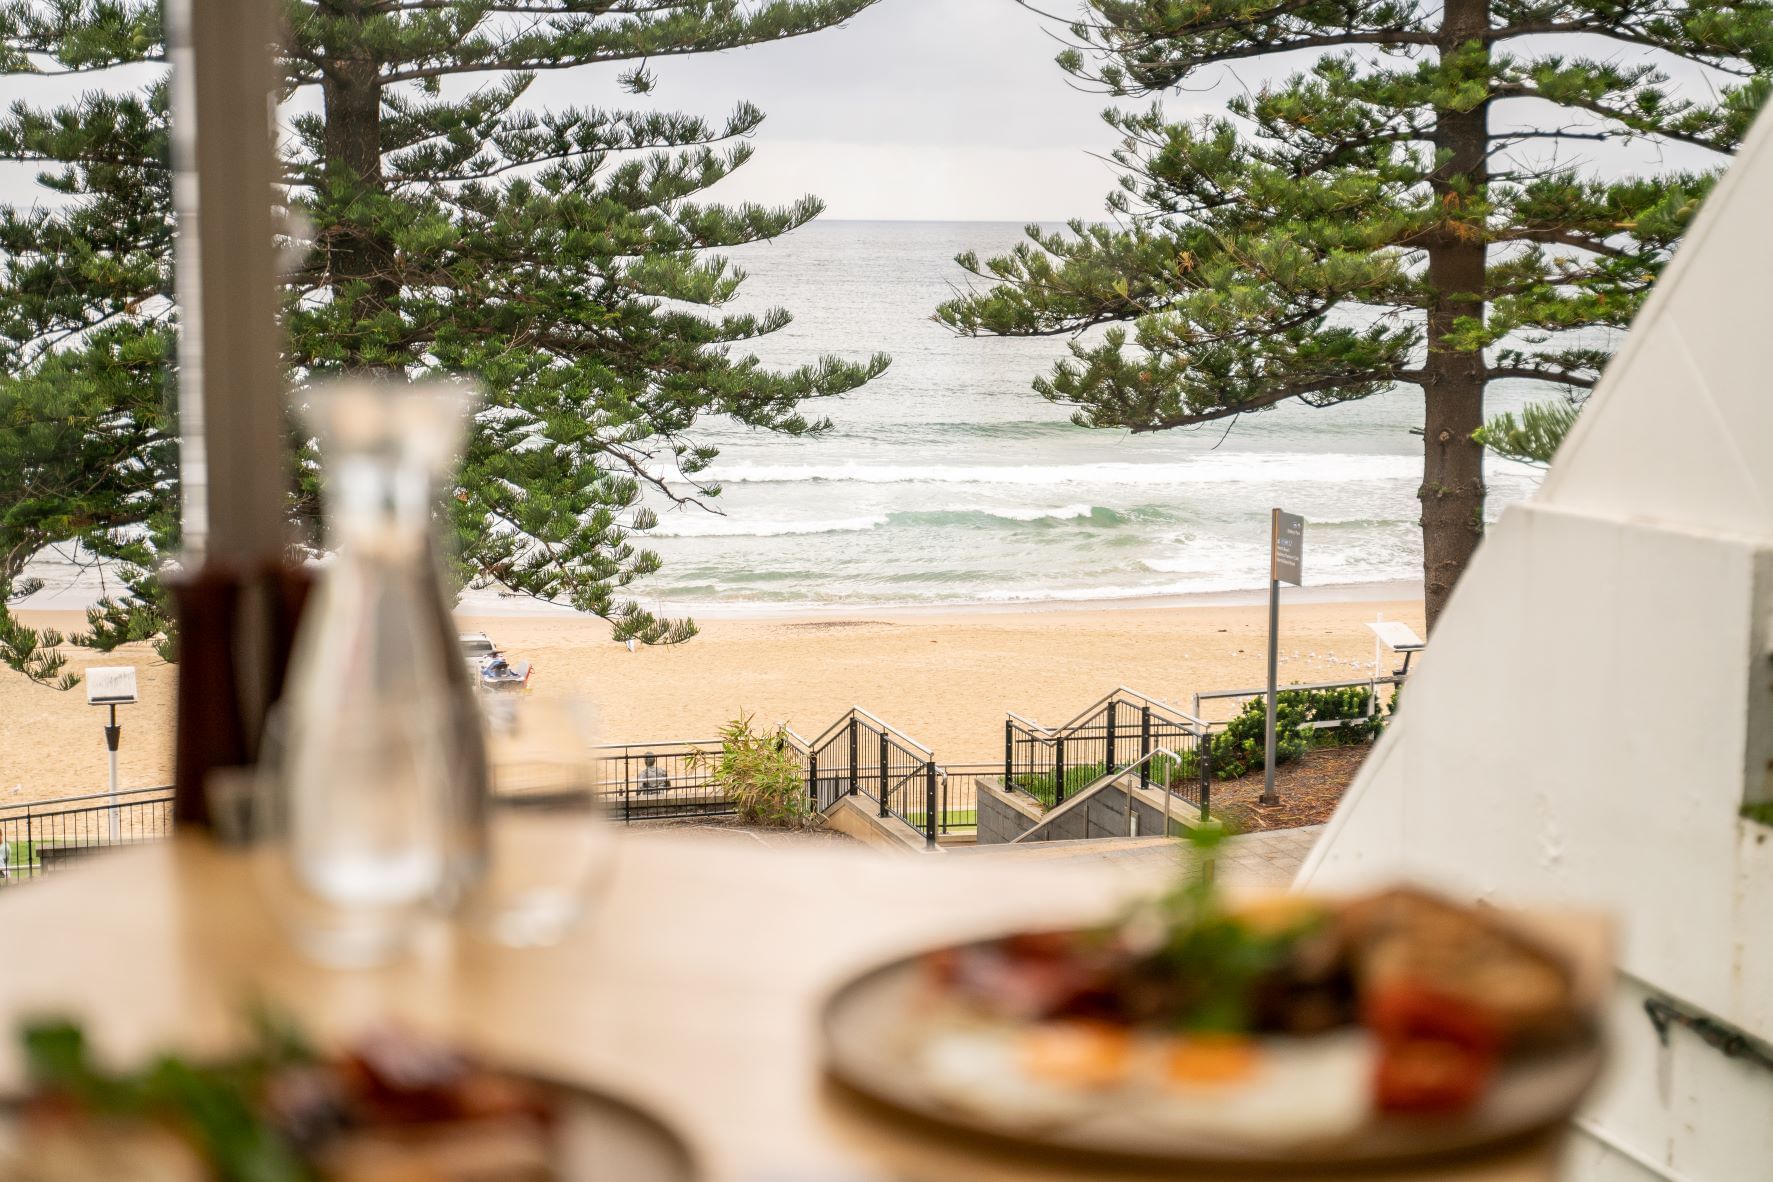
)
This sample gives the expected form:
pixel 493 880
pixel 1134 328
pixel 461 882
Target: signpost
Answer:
pixel 113 686
pixel 1286 559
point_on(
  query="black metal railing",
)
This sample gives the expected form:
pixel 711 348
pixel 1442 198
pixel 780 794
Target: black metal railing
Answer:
pixel 958 796
pixel 45 835
pixel 859 755
pixel 661 781
pixel 1052 764
pixel 664 780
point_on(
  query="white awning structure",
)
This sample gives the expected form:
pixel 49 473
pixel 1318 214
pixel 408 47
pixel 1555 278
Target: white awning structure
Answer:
pixel 1596 708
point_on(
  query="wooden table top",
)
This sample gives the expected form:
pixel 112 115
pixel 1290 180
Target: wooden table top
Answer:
pixel 693 991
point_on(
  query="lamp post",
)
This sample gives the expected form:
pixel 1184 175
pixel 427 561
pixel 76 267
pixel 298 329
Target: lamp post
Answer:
pixel 112 686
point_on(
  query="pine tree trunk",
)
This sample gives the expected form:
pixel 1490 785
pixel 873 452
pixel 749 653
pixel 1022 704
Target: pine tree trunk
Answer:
pixel 352 94
pixel 1452 492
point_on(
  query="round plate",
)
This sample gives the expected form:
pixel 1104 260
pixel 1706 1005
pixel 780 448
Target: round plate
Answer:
pixel 598 1137
pixel 873 1028
pixel 601 1137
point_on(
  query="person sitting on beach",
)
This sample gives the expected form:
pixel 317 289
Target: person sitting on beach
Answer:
pixel 652 776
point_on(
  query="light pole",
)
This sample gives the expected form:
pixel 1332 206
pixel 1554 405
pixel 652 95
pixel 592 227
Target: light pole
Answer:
pixel 112 686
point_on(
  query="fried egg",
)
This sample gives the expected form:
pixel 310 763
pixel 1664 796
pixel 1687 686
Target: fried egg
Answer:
pixel 1295 1091
pixel 1025 1075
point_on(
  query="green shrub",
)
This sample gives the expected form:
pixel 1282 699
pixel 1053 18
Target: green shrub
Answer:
pixel 761 774
pixel 1347 705
pixel 1239 749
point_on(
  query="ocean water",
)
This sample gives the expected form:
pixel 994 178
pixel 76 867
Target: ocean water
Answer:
pixel 948 480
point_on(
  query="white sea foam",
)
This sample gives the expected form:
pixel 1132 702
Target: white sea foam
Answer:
pixel 1193 563
pixel 1227 468
pixel 1197 586
pixel 709 525
pixel 1063 513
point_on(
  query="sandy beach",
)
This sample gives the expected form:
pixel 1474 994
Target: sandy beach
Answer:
pixel 946 677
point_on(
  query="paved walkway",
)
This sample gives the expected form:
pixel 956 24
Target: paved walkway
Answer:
pixel 1253 861
pixel 731 832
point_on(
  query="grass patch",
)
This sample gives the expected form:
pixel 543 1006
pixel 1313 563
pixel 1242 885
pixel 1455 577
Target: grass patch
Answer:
pixel 1760 814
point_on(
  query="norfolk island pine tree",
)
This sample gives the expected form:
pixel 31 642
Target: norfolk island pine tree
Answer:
pixel 1402 211
pixel 561 257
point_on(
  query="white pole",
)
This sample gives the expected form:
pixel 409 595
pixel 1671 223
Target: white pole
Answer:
pixel 1373 693
pixel 113 735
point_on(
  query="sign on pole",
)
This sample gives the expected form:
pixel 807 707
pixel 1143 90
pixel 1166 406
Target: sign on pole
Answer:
pixel 1286 561
pixel 1288 556
pixel 110 685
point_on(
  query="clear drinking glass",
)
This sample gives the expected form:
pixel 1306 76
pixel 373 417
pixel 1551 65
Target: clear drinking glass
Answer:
pixel 551 851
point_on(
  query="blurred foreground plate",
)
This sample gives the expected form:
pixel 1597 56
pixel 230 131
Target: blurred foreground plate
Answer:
pixel 603 1139
pixel 597 1138
pixel 874 1026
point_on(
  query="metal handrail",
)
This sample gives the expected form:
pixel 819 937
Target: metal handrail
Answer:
pixel 889 728
pixel 1046 734
pixel 1389 679
pixel 900 783
pixel 94 808
pixel 1370 683
pixel 931 821
pixel 1090 709
pixel 893 730
pixel 1114 693
pixel 644 747
pixel 1109 779
pixel 1117 777
pixel 31 806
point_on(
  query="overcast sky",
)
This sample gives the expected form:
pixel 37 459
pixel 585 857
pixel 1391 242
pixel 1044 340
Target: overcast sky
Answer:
pixel 920 109
pixel 923 110
pixel 955 110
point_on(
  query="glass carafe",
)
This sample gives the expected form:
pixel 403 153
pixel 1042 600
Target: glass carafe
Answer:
pixel 380 770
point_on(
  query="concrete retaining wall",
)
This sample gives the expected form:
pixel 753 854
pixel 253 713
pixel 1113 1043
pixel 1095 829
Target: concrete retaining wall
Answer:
pixel 857 817
pixel 1104 814
pixel 1007 816
pixel 1004 816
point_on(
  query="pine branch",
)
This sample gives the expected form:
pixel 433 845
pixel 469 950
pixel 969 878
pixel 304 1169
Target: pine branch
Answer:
pixel 1534 437
pixel 33 651
pixel 1538 373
